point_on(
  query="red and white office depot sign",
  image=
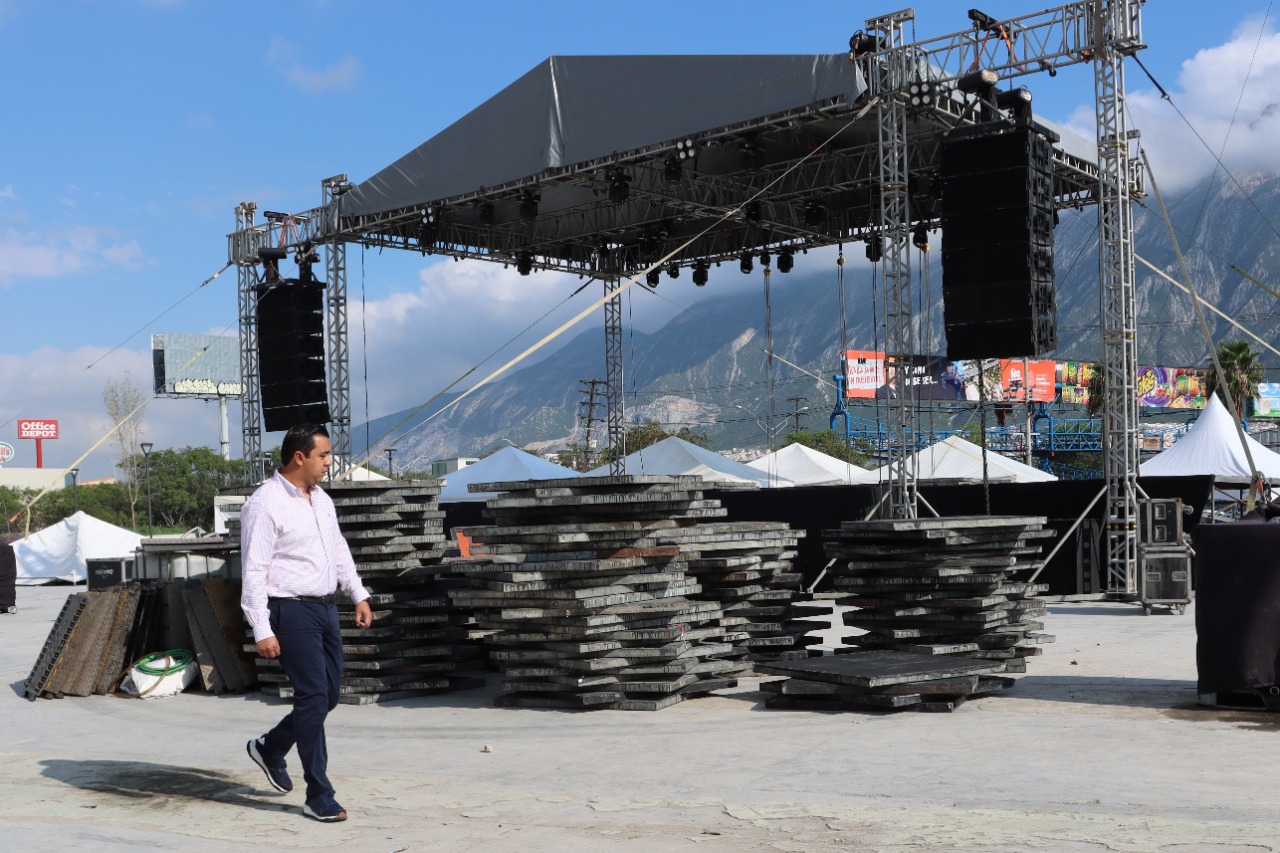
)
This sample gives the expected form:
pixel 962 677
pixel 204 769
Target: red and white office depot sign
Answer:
pixel 38 429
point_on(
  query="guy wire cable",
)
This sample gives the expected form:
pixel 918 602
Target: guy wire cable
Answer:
pixel 1250 501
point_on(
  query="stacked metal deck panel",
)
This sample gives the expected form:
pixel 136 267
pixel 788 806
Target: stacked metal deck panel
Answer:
pixel 586 586
pixel 938 587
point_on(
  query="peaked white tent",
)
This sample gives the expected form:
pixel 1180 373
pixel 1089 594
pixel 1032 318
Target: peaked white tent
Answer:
pixel 804 466
pixel 1212 446
pixel 954 458
pixel 508 464
pixel 675 456
pixel 59 551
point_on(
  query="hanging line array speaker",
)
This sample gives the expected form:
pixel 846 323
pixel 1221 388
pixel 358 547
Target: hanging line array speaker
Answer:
pixel 997 242
pixel 291 354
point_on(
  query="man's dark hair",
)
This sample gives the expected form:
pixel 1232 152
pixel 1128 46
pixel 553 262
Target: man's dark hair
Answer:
pixel 300 438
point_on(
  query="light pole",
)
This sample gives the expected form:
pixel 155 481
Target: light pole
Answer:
pixel 75 489
pixel 391 469
pixel 146 460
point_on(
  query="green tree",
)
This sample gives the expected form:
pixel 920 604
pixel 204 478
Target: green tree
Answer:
pixel 184 483
pixel 126 403
pixel 1243 371
pixel 828 442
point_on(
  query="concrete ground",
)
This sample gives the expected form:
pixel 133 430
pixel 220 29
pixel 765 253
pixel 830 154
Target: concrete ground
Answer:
pixel 1101 746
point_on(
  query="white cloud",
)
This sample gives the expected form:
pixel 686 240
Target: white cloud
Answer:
pixel 55 253
pixel 1207 90
pixel 345 74
pixel 7 191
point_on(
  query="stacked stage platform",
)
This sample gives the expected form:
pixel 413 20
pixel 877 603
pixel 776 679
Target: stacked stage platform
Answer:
pixel 395 532
pixel 588 587
pixel 922 590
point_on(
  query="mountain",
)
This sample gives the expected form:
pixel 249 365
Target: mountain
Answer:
pixel 707 368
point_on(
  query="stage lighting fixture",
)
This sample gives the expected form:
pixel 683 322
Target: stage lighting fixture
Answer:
pixel 529 205
pixel 524 263
pixel 765 258
pixel 862 43
pixel 752 211
pixel 672 171
pixel 978 82
pixel 1016 101
pixel 700 273
pixel 486 213
pixel 271 257
pixel 619 187
pixel 814 214
pixel 1045 66
pixel 785 261
pixel 921 93
pixel 875 250
pixel 749 151
pixel 653 276
pixel 673 271
pixel 745 263
pixel 920 237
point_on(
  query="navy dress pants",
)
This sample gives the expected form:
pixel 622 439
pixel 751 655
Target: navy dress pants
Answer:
pixel 311 655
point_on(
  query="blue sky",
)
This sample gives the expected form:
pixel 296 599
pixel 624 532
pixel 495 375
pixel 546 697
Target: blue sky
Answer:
pixel 133 128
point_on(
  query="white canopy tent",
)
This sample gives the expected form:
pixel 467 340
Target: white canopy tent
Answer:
pixel 507 465
pixel 954 458
pixel 804 466
pixel 675 456
pixel 59 552
pixel 1212 446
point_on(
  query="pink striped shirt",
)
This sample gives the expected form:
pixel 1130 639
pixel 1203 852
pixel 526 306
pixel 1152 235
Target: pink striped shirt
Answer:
pixel 291 546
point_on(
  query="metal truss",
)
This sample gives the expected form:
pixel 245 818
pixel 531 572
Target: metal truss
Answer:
pixel 888 78
pixel 337 339
pixel 1116 32
pixel 247 293
pixel 614 377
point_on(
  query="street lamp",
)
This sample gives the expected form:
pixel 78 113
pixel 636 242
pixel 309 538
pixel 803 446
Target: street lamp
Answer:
pixel 391 469
pixel 75 489
pixel 146 459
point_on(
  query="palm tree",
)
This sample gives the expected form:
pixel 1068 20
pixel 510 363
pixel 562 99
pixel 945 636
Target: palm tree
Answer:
pixel 1243 371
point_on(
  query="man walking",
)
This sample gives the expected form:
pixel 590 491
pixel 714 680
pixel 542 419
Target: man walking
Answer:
pixel 293 560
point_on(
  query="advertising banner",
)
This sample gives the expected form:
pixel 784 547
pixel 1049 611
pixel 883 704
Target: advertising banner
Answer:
pixel 1267 404
pixel 929 377
pixel 1018 377
pixel 37 428
pixel 6 452
pixel 1171 387
pixel 196 365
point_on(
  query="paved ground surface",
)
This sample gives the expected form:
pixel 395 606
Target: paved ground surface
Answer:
pixel 1100 747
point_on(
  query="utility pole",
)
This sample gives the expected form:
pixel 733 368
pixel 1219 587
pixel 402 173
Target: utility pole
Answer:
pixel 797 411
pixel 590 389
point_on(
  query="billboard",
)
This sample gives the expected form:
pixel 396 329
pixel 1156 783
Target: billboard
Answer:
pixel 1267 403
pixel 1171 387
pixel 1019 376
pixel 930 377
pixel 6 452
pixel 37 428
pixel 196 365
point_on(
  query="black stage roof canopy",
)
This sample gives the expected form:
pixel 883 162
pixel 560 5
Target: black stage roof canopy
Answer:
pixel 602 165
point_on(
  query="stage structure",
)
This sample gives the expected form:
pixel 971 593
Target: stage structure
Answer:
pixel 623 166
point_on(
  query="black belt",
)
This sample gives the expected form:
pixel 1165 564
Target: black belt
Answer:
pixel 313 599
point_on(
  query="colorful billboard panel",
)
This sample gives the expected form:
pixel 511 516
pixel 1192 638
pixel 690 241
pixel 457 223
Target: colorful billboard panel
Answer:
pixel 1170 387
pixel 37 428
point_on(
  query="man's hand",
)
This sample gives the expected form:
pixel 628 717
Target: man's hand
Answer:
pixel 269 647
pixel 364 615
